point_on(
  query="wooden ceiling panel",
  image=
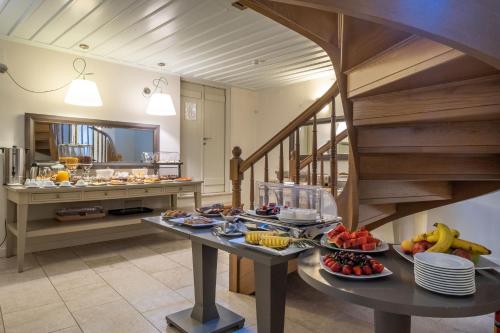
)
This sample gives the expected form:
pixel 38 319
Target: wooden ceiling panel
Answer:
pixel 203 39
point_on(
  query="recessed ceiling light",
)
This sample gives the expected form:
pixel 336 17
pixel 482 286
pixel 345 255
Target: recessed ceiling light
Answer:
pixel 161 64
pixel 84 46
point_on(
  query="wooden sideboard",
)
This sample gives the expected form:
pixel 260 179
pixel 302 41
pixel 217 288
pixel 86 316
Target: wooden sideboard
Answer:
pixel 20 229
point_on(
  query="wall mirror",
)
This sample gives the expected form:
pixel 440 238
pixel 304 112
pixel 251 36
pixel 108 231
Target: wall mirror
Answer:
pixel 101 142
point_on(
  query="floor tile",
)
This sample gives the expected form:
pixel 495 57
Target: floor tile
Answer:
pixel 66 270
pixel 88 296
pixel 2 330
pixel 175 278
pixel 104 264
pixel 166 247
pixel 140 289
pixel 44 319
pixel 74 329
pixel 113 317
pixel 183 257
pixel 148 260
pixel 157 316
pixel 9 265
pixel 24 294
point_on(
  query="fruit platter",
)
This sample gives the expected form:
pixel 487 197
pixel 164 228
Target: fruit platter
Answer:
pixel 211 211
pixel 196 221
pixel 272 242
pixel 174 213
pixel 361 240
pixel 444 239
pixel 352 265
pixel 270 211
pixel 230 213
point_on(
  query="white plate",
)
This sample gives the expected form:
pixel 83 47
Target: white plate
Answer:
pixel 434 286
pixel 289 250
pixel 253 213
pixel 444 260
pixel 444 271
pixel 171 218
pixel 296 221
pixel 385 272
pixel 485 262
pixel 444 278
pixel 443 282
pixel 180 221
pixel 381 248
pixel 447 292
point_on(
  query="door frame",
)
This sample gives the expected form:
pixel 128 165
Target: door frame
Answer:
pixel 227 127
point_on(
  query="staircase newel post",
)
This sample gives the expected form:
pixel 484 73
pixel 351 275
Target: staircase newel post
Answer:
pixel 236 176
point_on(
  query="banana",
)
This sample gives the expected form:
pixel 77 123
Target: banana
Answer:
pixel 434 237
pixel 470 246
pixel 445 238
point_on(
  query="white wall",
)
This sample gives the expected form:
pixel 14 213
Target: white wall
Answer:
pixel 120 87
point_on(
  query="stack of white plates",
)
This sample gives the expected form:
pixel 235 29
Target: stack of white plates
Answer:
pixel 445 273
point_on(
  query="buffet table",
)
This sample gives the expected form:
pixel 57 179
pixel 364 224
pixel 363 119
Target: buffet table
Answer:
pixel 396 298
pixel 20 198
pixel 207 316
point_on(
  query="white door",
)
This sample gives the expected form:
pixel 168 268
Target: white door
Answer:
pixel 203 135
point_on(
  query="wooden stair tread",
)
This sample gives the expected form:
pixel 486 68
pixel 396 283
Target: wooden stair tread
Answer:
pixel 382 192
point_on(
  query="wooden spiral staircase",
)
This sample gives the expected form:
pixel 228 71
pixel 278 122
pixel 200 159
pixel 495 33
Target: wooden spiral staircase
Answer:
pixel 419 83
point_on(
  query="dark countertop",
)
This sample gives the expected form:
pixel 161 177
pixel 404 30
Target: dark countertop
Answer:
pixel 399 293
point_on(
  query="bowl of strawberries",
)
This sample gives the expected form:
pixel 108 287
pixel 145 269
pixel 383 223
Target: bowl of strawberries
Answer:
pixel 353 265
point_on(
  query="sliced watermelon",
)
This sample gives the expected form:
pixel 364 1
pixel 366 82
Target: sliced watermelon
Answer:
pixel 369 246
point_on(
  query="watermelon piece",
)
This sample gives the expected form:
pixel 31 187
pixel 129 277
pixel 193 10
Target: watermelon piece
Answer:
pixel 361 240
pixel 369 246
pixel 350 244
pixel 338 242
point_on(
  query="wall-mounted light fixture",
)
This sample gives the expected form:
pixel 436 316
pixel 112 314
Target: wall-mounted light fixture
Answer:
pixel 81 92
pixel 160 102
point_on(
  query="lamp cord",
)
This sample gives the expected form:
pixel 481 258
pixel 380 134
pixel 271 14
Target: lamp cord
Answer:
pixel 80 74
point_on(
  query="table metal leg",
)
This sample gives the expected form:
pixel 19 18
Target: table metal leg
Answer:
pixel 206 316
pixel 22 222
pixel 270 296
pixel 386 322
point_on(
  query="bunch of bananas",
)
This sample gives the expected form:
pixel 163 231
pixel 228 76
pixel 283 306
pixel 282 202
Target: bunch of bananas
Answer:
pixel 445 239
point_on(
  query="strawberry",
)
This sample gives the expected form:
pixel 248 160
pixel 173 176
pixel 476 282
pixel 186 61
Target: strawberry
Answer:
pixel 357 270
pixel 378 267
pixel 336 267
pixel 367 270
pixel 346 270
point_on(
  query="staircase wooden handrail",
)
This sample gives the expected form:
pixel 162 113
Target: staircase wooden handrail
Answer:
pixel 323 149
pixel 290 128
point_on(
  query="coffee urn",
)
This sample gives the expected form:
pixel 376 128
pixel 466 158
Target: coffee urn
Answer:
pixel 14 165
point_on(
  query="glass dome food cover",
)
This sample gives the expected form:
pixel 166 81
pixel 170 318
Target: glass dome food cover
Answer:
pixel 298 196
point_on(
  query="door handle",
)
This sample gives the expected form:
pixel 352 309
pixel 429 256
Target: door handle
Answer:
pixel 205 139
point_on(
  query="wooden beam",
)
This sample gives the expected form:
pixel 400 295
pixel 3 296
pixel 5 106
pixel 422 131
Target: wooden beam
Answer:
pixel 402 60
pixel 467 27
pixel 429 167
pixel 382 192
pixel 466 100
pixel 443 137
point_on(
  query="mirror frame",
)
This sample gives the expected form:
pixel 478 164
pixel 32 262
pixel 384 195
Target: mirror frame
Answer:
pixel 31 118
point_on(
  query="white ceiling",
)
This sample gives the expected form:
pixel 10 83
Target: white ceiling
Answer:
pixel 203 39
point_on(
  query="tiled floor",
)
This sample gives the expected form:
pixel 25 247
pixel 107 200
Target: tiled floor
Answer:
pixel 130 285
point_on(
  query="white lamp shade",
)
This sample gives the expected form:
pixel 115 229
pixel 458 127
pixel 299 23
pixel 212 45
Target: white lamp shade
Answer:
pixel 161 105
pixel 83 93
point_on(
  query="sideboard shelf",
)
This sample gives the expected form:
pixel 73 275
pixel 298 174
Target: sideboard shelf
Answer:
pixel 52 227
